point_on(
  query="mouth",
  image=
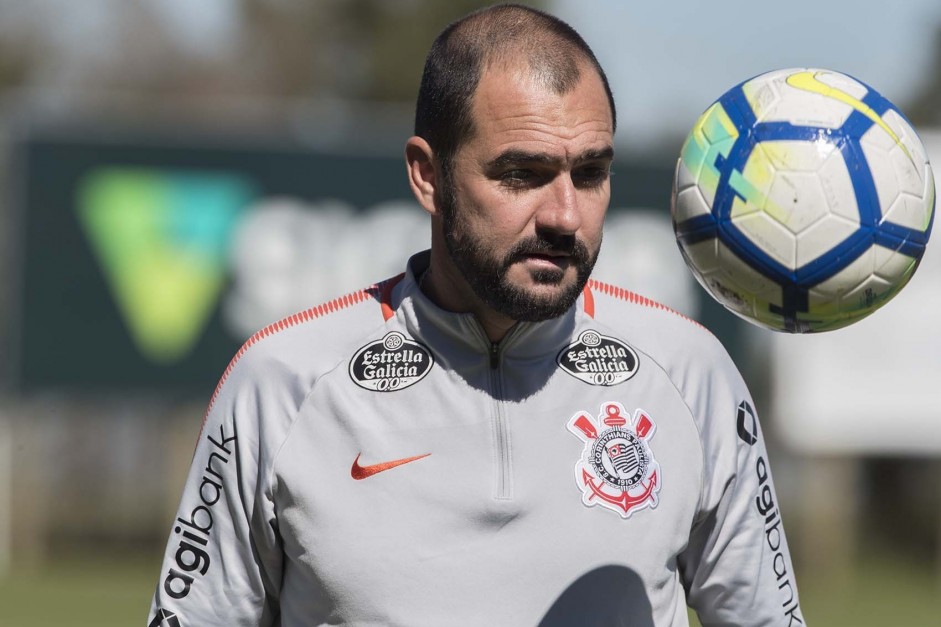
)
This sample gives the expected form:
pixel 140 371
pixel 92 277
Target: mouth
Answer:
pixel 549 259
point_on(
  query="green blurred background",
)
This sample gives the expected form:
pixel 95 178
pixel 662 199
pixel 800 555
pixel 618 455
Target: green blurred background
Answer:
pixel 175 175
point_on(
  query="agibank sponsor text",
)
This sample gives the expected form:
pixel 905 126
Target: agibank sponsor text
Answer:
pixel 774 538
pixel 195 528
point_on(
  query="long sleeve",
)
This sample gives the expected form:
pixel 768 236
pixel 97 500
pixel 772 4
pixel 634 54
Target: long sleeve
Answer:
pixel 737 569
pixel 223 560
pixel 226 563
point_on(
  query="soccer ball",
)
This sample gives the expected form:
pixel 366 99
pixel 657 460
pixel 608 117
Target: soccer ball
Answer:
pixel 803 200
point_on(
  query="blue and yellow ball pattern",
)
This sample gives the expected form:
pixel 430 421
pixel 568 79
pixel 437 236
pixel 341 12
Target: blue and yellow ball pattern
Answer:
pixel 803 200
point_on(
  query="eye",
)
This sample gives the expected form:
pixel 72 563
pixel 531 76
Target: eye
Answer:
pixel 519 178
pixel 519 174
pixel 590 176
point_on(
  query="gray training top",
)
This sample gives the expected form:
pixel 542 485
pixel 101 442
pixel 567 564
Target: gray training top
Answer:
pixel 378 461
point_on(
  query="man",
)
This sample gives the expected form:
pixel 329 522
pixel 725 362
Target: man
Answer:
pixel 491 438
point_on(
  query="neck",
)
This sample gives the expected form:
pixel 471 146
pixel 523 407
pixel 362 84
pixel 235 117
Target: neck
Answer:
pixel 495 326
pixel 444 285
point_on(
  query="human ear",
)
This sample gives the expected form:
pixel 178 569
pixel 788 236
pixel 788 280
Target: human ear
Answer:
pixel 422 175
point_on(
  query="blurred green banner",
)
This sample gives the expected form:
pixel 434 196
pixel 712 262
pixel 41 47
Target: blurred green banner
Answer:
pixel 126 249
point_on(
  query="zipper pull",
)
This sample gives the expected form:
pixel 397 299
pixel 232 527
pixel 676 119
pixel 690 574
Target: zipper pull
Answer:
pixel 494 355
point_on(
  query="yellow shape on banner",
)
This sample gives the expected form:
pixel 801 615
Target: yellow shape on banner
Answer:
pixel 161 238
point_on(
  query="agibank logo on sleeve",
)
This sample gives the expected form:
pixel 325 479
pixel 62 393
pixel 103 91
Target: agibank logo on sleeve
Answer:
pixel 165 618
pixel 598 359
pixel 392 363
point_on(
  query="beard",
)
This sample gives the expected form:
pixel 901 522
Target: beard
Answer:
pixel 487 271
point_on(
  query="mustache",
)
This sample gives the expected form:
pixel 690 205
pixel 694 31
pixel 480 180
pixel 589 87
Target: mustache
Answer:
pixel 549 244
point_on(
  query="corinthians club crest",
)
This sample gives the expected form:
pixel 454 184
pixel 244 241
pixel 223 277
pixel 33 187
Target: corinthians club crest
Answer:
pixel 617 469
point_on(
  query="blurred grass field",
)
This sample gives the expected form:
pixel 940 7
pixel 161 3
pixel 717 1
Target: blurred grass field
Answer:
pixel 80 592
pixel 882 590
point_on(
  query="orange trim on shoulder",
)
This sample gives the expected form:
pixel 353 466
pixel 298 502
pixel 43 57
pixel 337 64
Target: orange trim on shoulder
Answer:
pixel 588 301
pixel 385 295
pixel 637 299
pixel 381 291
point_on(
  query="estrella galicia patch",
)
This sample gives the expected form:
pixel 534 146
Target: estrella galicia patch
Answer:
pixel 598 359
pixel 392 363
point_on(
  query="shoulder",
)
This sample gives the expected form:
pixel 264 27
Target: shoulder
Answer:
pixel 689 354
pixel 646 319
pixel 284 358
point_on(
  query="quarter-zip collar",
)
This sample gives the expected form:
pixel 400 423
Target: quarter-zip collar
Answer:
pixel 461 333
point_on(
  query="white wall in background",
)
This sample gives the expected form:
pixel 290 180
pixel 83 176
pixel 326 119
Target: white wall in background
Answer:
pixel 873 387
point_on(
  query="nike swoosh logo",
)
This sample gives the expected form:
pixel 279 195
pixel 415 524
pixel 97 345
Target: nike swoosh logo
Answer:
pixel 361 472
pixel 808 81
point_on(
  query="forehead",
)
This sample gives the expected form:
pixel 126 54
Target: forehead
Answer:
pixel 512 107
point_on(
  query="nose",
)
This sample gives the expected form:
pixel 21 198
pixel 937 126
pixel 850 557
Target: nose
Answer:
pixel 559 212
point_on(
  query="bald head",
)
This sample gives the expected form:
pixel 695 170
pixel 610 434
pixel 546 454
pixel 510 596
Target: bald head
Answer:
pixel 502 36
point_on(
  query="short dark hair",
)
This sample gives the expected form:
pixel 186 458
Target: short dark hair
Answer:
pixel 466 47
